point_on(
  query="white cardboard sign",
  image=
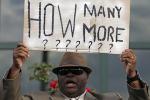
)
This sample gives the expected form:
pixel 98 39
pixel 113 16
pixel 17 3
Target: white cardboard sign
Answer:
pixel 77 25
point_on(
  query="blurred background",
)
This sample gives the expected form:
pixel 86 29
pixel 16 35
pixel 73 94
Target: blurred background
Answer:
pixel 108 72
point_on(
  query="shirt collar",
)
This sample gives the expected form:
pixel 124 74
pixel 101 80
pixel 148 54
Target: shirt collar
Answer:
pixel 81 97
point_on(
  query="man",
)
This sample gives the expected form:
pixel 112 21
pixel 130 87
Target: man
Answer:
pixel 72 74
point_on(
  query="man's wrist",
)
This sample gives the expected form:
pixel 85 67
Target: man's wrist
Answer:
pixel 133 78
pixel 132 73
pixel 135 81
pixel 13 72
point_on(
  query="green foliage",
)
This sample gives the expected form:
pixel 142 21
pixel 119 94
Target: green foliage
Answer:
pixel 41 72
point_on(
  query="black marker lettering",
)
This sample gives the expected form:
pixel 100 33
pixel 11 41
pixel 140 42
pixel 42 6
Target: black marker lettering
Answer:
pixel 103 32
pixel 118 34
pixel 90 44
pixel 57 43
pixel 111 12
pixel 118 10
pixel 100 45
pixel 29 24
pixel 110 33
pixel 78 43
pixel 69 41
pixel 101 11
pixel 34 19
pixel 89 31
pixel 90 12
pixel 69 22
pixel 52 25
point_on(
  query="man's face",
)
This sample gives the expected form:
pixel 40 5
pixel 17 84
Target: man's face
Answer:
pixel 72 81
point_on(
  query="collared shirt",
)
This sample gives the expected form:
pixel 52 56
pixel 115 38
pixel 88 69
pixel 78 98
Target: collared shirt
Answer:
pixel 81 97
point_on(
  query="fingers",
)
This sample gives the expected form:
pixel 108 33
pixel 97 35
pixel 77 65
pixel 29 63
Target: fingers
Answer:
pixel 129 59
pixel 20 53
pixel 128 56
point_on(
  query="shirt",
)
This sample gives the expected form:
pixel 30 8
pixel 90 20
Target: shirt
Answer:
pixel 81 97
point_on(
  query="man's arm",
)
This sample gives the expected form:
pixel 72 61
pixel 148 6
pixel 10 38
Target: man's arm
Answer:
pixel 11 88
pixel 138 94
pixel 138 90
pixel 11 82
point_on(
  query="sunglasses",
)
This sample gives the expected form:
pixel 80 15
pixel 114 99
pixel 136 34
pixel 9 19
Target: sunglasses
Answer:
pixel 75 71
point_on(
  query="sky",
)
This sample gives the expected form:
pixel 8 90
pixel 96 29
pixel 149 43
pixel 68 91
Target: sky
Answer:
pixel 11 23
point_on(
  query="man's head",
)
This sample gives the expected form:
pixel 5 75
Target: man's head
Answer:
pixel 72 74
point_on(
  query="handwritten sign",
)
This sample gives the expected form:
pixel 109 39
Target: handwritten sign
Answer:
pixel 77 25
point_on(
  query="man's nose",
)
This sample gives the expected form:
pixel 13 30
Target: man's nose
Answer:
pixel 70 74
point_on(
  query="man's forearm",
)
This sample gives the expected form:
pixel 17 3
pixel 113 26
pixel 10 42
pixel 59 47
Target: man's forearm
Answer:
pixel 11 87
pixel 136 84
pixel 138 93
pixel 13 72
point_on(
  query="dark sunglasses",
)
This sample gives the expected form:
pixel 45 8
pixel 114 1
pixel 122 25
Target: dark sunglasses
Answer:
pixel 75 71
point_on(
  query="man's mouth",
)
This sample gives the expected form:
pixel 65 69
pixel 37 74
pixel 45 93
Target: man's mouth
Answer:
pixel 70 84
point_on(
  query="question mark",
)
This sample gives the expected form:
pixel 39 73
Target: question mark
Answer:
pixel 45 42
pixel 90 45
pixel 77 45
pixel 57 43
pixel 69 41
pixel 111 45
pixel 101 44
